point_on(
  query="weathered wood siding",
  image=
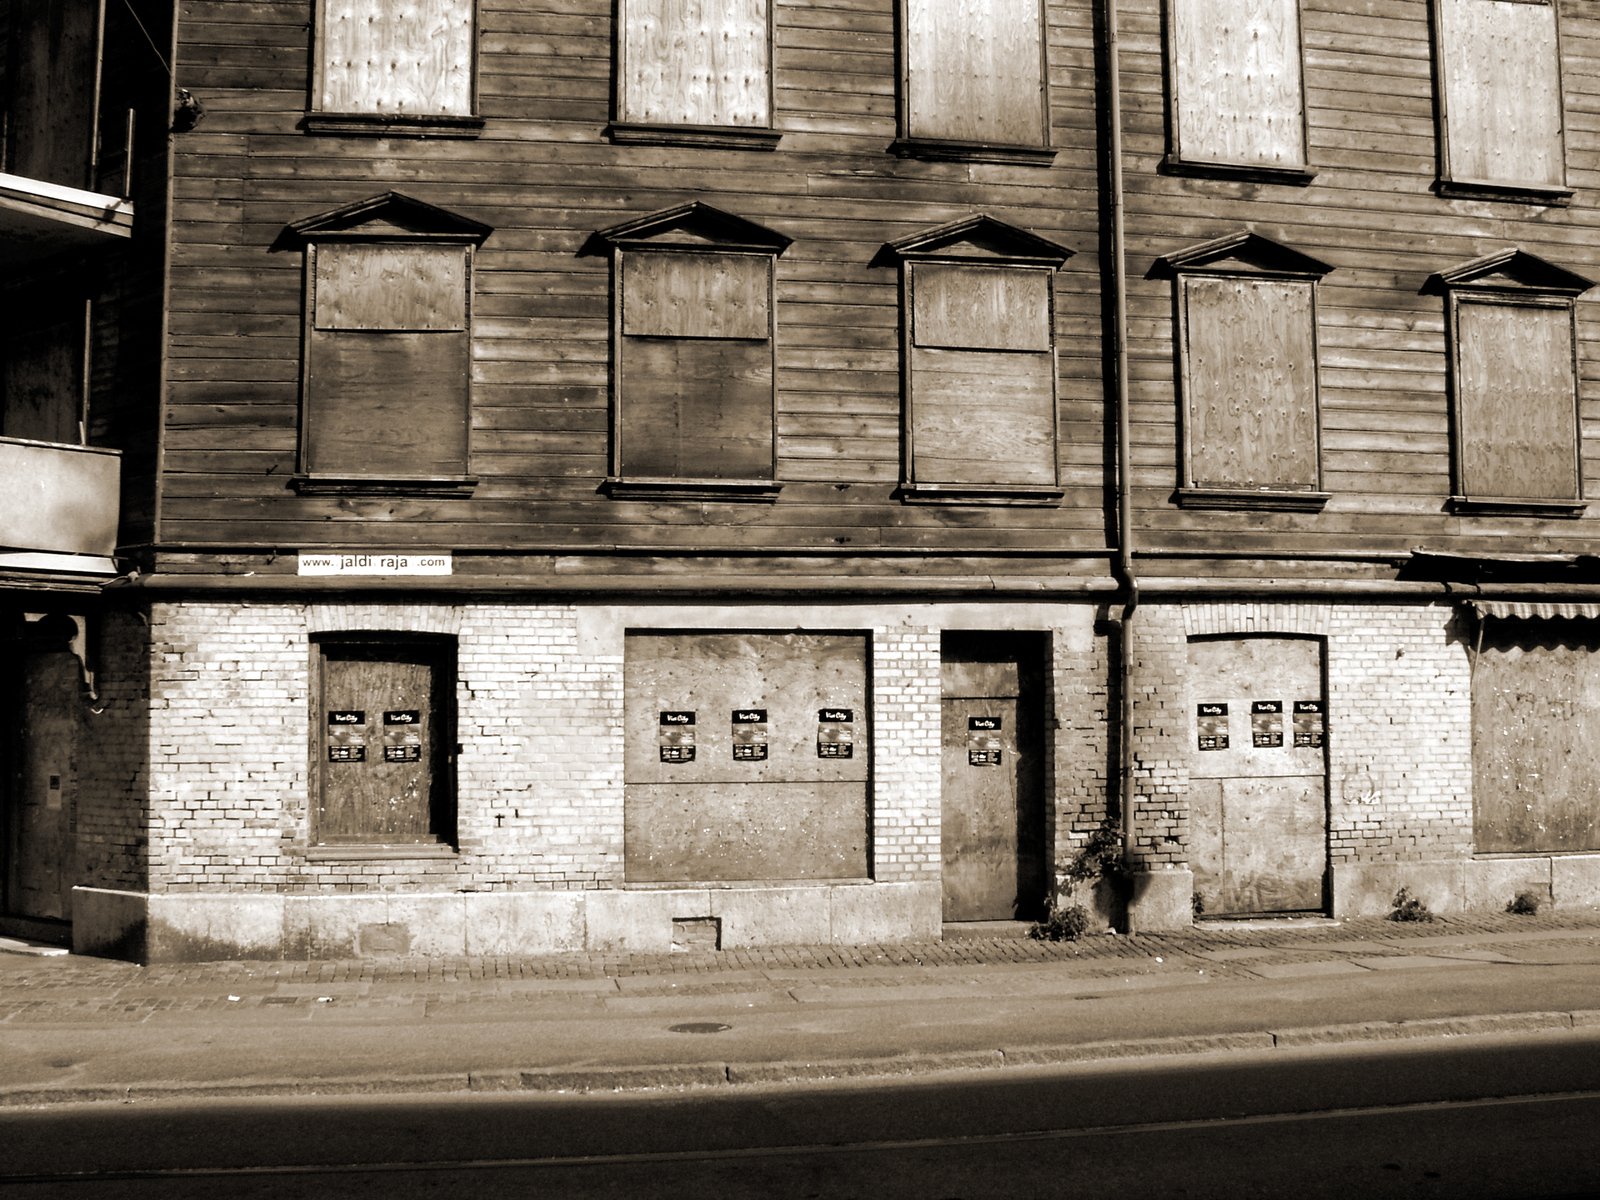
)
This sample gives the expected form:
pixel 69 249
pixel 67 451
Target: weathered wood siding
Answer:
pixel 1383 355
pixel 545 177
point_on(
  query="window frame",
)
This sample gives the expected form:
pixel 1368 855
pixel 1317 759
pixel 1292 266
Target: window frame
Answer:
pixel 1248 256
pixel 396 221
pixel 976 243
pixel 1447 185
pixel 1512 279
pixel 912 144
pixel 624 129
pixel 1178 162
pixel 690 229
pixel 440 654
pixel 363 123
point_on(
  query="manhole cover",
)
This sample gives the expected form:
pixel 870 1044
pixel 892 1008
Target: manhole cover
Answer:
pixel 698 1027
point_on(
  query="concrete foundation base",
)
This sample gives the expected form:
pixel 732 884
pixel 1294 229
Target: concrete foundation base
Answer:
pixel 1161 900
pixel 1481 884
pixel 199 927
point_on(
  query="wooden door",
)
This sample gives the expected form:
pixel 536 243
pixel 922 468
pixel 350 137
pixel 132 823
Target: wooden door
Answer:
pixel 383 725
pixel 41 844
pixel 992 786
pixel 1258 824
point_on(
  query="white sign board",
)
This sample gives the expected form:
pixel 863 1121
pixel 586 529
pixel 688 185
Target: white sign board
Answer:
pixel 382 563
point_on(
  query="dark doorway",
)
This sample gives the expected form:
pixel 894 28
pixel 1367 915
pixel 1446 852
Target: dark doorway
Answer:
pixel 993 838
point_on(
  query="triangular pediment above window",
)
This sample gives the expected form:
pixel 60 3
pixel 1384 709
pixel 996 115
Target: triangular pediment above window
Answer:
pixel 1512 270
pixel 694 225
pixel 977 238
pixel 386 216
pixel 1245 250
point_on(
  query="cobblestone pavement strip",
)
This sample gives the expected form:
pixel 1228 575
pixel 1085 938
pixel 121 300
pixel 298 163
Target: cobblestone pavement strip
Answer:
pixel 70 988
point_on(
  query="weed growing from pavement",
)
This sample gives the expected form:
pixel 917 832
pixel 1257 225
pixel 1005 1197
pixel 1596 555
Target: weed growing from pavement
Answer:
pixel 1101 857
pixel 1408 908
pixel 1524 903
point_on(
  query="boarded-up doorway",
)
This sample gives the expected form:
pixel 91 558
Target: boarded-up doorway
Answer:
pixel 1258 812
pixel 993 776
pixel 41 842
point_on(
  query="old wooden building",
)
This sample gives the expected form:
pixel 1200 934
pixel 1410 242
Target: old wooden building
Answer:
pixel 502 476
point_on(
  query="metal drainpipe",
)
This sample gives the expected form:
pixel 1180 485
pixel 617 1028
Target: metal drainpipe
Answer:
pixel 1126 573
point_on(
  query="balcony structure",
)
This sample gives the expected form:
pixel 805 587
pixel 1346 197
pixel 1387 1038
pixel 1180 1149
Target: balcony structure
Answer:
pixel 58 511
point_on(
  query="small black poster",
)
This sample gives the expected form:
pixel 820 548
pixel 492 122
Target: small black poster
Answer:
pixel 749 735
pixel 402 735
pixel 347 735
pixel 1266 723
pixel 677 736
pixel 984 746
pixel 1211 721
pixel 1308 723
pixel 835 738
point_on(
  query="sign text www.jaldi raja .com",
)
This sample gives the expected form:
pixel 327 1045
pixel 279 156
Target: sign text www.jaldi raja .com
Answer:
pixel 380 563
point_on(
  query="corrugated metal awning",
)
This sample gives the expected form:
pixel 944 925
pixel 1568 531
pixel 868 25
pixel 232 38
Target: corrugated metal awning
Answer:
pixel 1547 610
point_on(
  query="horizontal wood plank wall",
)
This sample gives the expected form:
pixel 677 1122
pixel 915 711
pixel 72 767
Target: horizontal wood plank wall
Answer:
pixel 1372 213
pixel 543 175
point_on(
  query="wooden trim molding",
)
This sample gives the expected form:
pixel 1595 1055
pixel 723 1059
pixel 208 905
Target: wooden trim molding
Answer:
pixel 970 494
pixel 393 125
pixel 718 137
pixel 1296 176
pixel 1242 498
pixel 372 485
pixel 943 150
pixel 1457 189
pixel 1497 506
pixel 750 490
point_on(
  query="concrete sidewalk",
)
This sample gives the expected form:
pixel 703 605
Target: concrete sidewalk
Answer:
pixel 77 1029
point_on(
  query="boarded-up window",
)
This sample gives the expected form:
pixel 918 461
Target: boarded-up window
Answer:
pixel 1500 73
pixel 694 62
pixel 1235 83
pixel 1249 383
pixel 388 371
pixel 747 757
pixel 1535 723
pixel 395 57
pixel 695 366
pixel 982 376
pixel 1516 403
pixel 384 726
pixel 975 71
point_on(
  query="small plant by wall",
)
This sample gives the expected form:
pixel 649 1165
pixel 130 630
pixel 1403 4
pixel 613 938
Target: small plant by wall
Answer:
pixel 1102 857
pixel 1524 903
pixel 1408 908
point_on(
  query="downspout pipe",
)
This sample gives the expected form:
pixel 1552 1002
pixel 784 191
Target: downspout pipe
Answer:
pixel 1115 273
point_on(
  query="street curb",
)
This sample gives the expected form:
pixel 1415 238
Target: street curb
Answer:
pixel 551 1080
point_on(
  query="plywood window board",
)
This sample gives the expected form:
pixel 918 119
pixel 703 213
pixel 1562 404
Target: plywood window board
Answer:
pixel 392 66
pixel 981 408
pixel 975 80
pixel 387 378
pixel 1516 401
pixel 694 71
pixel 1236 89
pixel 1501 111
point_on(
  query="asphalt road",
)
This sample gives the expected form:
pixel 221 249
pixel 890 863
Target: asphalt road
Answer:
pixel 1452 1118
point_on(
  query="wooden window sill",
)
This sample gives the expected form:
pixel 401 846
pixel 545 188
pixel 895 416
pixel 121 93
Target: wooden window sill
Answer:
pixel 1509 193
pixel 393 125
pixel 636 488
pixel 1505 506
pixel 1295 176
pixel 970 494
pixel 945 150
pixel 365 485
pixel 1252 498
pixel 380 852
pixel 718 137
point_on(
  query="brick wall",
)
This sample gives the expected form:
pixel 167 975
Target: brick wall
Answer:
pixel 906 766
pixel 114 767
